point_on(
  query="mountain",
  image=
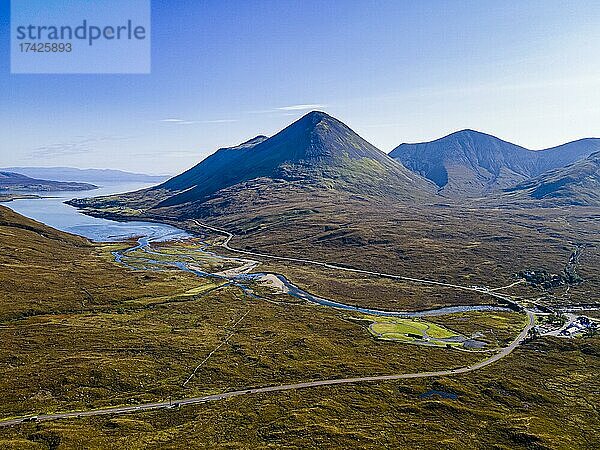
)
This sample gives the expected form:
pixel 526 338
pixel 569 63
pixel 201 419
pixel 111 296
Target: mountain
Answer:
pixel 317 153
pixel 15 182
pixel 85 175
pixel 576 184
pixel 471 164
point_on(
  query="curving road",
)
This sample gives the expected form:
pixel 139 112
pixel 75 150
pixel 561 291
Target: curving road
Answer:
pixel 286 387
pixel 229 236
pixel 283 387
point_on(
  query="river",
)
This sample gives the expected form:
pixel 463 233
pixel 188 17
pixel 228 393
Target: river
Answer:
pixel 51 210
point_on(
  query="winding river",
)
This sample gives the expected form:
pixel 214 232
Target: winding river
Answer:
pixel 52 211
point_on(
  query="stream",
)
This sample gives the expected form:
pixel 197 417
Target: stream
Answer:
pixel 244 279
pixel 52 211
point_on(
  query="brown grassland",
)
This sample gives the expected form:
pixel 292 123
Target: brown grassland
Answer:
pixel 468 243
pixel 78 331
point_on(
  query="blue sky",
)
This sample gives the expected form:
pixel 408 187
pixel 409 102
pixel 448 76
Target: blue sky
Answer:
pixel 395 71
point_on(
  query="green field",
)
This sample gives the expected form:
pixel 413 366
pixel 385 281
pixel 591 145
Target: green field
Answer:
pixel 414 331
pixel 103 335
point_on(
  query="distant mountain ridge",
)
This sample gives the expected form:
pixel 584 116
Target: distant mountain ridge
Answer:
pixel 85 175
pixel 16 182
pixel 469 163
pixel 577 184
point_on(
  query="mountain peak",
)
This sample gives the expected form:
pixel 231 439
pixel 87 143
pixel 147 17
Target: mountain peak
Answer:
pixel 316 120
pixel 318 141
pixel 316 115
pixel 316 151
pixel 471 134
pixel 469 163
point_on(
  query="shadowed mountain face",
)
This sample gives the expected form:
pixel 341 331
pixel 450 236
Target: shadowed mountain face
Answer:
pixel 471 164
pixel 15 182
pixel 576 184
pixel 317 153
pixel 316 149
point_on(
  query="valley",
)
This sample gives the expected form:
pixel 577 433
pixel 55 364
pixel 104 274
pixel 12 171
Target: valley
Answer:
pixel 292 225
pixel 324 275
pixel 275 340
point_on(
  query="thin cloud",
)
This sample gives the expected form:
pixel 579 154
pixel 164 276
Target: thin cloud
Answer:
pixel 220 121
pixel 301 107
pixel 289 109
pixel 172 154
pixel 192 122
pixel 382 125
pixel 75 147
pixel 262 111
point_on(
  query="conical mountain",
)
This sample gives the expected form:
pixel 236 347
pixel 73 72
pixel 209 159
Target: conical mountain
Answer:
pixel 316 149
pixel 317 153
pixel 577 184
pixel 470 164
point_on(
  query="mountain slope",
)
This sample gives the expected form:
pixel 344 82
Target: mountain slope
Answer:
pixel 563 155
pixel 576 184
pixel 15 182
pixel 315 149
pixel 470 164
pixel 316 153
pixel 84 175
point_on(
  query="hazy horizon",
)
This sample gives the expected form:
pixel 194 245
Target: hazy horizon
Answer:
pixel 209 152
pixel 85 168
pixel 402 72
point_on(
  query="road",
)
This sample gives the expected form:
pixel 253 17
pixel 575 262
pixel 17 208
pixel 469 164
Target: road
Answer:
pixel 309 384
pixel 119 410
pixel 229 236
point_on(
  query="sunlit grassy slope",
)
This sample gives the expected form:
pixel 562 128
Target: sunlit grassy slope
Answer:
pixel 80 332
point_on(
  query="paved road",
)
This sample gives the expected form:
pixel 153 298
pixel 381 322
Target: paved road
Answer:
pixel 229 236
pixel 284 387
